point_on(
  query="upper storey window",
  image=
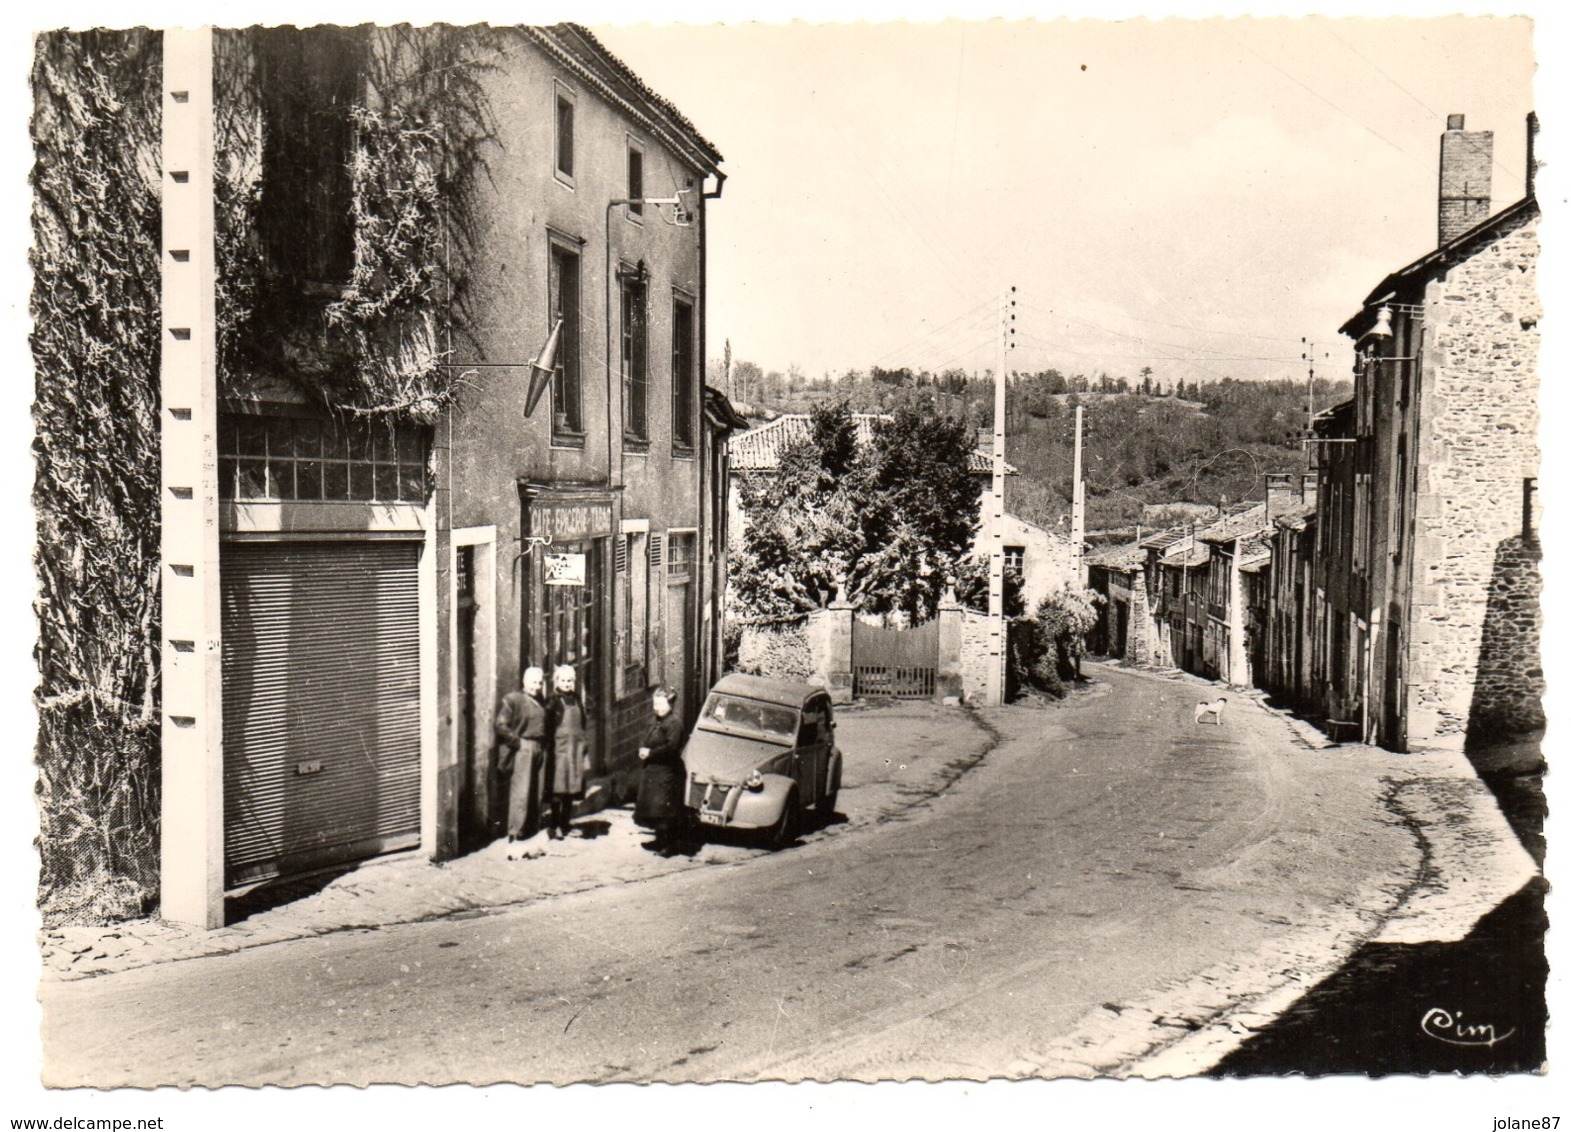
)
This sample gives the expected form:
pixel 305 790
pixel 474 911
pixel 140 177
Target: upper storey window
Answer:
pixel 567 417
pixel 310 79
pixel 635 179
pixel 684 375
pixel 564 134
pixel 635 352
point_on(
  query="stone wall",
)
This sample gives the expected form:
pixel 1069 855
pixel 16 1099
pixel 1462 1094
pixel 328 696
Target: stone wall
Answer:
pixel 973 656
pixel 1478 442
pixel 776 650
pixel 1508 694
pixel 1140 644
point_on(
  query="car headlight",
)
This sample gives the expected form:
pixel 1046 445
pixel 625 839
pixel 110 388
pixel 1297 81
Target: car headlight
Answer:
pixel 755 781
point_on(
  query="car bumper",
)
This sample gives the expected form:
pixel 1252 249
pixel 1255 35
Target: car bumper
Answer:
pixel 731 806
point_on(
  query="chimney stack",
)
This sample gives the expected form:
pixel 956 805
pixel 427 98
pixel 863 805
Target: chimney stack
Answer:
pixel 1280 493
pixel 1466 158
pixel 1532 157
pixel 1309 488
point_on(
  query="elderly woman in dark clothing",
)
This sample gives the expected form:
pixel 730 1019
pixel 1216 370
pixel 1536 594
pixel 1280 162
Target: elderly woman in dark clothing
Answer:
pixel 660 786
pixel 521 734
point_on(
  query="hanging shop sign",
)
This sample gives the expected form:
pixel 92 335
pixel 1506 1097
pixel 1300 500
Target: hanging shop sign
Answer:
pixel 564 569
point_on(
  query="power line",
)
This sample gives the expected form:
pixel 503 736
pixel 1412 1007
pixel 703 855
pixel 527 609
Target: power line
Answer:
pixel 1433 113
pixel 1285 73
pixel 1210 355
pixel 922 340
pixel 1208 330
pixel 887 181
pixel 1326 27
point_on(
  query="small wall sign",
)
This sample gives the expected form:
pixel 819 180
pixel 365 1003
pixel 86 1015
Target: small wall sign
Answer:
pixel 564 569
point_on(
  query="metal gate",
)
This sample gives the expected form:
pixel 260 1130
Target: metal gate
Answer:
pixel 321 704
pixel 902 663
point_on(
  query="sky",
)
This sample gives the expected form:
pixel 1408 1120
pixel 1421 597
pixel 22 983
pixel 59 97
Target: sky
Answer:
pixel 1206 197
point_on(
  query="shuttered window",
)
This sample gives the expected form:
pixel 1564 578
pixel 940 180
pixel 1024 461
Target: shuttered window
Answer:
pixel 321 704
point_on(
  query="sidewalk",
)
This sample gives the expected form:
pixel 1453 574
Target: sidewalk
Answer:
pixel 896 756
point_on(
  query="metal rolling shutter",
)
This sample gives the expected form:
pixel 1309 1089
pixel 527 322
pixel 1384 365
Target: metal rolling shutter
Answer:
pixel 321 704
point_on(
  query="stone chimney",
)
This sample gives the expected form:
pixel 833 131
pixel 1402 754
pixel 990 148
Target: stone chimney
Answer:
pixel 1281 493
pixel 1532 154
pixel 1309 488
pixel 1466 157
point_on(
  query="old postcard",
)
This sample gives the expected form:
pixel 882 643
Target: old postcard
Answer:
pixel 900 546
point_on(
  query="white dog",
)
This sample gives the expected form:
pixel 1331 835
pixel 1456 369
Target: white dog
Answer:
pixel 1212 708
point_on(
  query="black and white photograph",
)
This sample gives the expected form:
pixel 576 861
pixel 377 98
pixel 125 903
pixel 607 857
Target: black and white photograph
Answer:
pixel 998 555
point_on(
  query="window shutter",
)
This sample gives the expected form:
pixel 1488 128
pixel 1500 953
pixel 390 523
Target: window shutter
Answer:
pixel 621 555
pixel 656 551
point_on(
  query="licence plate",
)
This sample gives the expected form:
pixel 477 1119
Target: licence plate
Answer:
pixel 712 819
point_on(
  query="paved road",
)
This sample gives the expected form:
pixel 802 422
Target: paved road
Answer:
pixel 1102 850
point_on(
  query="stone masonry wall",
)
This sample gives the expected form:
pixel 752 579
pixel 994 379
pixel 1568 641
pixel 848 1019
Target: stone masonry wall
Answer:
pixel 1478 441
pixel 776 650
pixel 973 656
pixel 1508 694
pixel 1140 644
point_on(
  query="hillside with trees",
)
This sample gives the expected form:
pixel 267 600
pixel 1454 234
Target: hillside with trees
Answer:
pixel 1147 442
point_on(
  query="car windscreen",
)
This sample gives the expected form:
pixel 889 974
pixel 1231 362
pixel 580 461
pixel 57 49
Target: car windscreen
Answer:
pixel 756 720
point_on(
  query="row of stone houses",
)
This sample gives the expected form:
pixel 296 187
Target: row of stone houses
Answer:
pixel 1395 593
pixel 1193 597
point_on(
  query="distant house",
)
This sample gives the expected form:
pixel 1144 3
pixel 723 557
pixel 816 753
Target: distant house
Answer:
pixel 1285 668
pixel 1044 558
pixel 1206 606
pixel 1124 626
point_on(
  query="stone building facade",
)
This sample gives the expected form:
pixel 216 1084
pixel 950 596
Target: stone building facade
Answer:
pixel 1426 559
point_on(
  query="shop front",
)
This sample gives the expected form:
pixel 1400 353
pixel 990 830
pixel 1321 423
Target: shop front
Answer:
pixel 565 586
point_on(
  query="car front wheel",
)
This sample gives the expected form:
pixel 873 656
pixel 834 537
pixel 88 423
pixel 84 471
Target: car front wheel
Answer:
pixel 784 831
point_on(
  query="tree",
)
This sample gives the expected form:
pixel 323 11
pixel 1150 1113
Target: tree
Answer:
pixel 1045 648
pixel 747 377
pixel 883 526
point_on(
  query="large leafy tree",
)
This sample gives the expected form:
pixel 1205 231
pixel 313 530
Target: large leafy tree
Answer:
pixel 883 525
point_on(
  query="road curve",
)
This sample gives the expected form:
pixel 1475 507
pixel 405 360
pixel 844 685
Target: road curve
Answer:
pixel 1106 849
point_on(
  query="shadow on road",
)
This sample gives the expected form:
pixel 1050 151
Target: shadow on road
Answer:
pixel 1473 1006
pixel 276 893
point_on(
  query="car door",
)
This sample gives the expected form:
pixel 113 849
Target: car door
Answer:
pixel 812 750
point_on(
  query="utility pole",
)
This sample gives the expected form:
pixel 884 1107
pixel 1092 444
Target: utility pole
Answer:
pixel 191 869
pixel 1309 356
pixel 1077 507
pixel 997 647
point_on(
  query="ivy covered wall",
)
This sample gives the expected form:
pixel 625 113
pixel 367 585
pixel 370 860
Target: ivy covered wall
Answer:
pixel 346 164
pixel 95 350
